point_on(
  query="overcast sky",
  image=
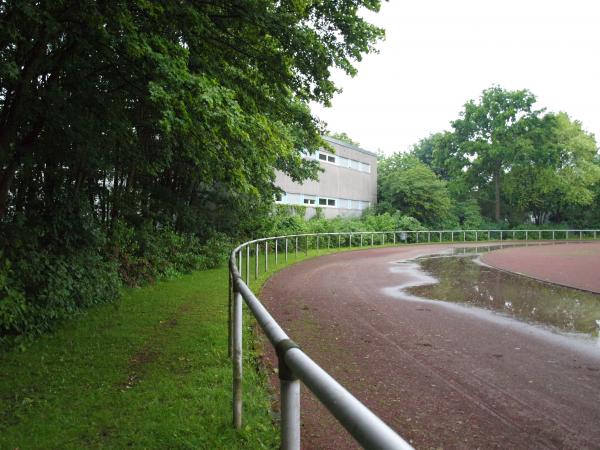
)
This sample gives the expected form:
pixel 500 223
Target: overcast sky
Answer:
pixel 439 53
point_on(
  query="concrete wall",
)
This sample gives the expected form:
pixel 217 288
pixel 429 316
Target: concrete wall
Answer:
pixel 338 182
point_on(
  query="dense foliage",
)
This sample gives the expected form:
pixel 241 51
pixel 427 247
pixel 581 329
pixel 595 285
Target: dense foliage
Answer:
pixel 136 135
pixel 503 164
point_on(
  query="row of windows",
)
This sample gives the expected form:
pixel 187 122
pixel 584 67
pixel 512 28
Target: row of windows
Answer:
pixel 310 200
pixel 343 162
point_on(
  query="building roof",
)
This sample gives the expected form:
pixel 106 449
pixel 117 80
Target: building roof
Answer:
pixel 350 146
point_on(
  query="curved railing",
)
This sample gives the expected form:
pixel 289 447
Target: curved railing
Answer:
pixel 295 365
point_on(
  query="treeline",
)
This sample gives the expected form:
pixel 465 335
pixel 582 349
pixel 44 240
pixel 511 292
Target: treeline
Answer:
pixel 140 139
pixel 503 165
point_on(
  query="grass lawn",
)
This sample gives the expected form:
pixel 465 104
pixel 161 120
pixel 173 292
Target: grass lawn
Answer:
pixel 149 372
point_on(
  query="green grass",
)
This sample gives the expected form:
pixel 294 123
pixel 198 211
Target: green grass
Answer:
pixel 149 372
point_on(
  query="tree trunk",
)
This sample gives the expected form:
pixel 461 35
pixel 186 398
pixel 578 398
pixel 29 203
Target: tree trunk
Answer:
pixel 5 183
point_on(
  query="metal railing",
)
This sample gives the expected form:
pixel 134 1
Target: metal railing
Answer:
pixel 295 365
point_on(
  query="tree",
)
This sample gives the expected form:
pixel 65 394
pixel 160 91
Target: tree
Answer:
pixel 407 185
pixel 344 138
pixel 488 136
pixel 130 129
pixel 556 170
pixel 153 96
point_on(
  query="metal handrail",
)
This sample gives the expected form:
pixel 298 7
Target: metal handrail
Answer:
pixel 295 365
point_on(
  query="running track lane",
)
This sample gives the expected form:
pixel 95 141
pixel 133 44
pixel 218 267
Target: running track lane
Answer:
pixel 440 375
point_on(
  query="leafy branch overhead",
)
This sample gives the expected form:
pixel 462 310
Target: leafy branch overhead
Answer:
pixel 153 117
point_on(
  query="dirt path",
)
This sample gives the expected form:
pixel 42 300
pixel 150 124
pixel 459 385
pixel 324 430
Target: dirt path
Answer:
pixel 440 374
pixel 574 265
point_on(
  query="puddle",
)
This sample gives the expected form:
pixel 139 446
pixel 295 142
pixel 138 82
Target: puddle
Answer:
pixel 458 277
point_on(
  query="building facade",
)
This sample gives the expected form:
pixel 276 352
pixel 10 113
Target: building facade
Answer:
pixel 346 187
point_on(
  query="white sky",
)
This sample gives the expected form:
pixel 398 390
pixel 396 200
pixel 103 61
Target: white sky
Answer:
pixel 438 54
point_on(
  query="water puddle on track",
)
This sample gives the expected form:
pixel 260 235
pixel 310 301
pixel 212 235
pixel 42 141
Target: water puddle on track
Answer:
pixel 459 277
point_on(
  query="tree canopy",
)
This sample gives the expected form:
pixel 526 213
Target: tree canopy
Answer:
pixel 506 163
pixel 131 132
pixel 408 185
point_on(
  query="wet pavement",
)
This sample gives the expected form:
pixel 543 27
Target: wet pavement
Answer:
pixel 443 374
pixel 460 277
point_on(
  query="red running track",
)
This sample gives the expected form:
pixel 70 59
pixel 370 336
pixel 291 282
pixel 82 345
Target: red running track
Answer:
pixel 442 375
pixel 574 265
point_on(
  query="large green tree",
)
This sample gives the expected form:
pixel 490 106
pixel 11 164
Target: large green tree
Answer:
pixel 156 100
pixel 488 135
pixel 147 127
pixel 409 186
pixel 555 171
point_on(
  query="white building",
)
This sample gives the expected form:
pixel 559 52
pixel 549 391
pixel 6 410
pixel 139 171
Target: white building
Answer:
pixel 347 185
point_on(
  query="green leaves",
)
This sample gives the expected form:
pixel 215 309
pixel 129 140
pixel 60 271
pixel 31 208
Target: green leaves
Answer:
pixel 164 121
pixel 409 186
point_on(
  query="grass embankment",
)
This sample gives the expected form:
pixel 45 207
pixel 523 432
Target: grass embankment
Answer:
pixel 149 372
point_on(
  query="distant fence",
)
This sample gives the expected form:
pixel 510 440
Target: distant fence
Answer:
pixel 295 365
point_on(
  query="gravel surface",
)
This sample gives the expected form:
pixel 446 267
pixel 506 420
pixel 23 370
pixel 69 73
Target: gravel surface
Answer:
pixel 442 375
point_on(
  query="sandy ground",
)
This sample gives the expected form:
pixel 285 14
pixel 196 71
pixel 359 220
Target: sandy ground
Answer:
pixel 574 265
pixel 442 375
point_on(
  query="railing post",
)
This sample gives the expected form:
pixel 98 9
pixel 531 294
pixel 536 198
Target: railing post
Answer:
pixel 428 236
pixel 237 359
pixel 539 235
pixel 286 249
pixel 256 262
pixel 580 234
pixel 464 236
pixel 501 235
pixel 289 386
pixel 594 234
pixel 417 237
pixel 383 239
pixel 489 235
pixel 276 252
pixel 317 242
pixel 452 236
pixel 440 236
pixel 526 235
pixel 230 314
pixel 361 239
pixel 553 235
pixel 476 236
pixel 339 240
pixel 350 237
pixel 306 249
pixel 513 235
pixel 394 238
pixel 248 265
pixel 371 239
pixel 566 235
pixel 328 241
pixel 296 248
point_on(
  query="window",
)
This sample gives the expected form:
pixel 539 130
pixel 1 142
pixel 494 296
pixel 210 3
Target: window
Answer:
pixel 327 202
pixel 364 167
pixel 309 200
pixel 326 157
pixel 344 162
pixel 294 199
